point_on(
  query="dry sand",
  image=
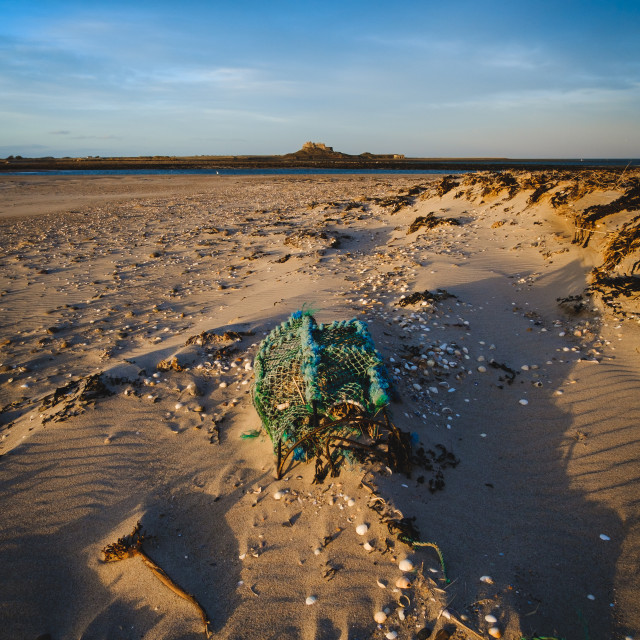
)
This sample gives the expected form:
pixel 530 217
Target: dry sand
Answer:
pixel 101 279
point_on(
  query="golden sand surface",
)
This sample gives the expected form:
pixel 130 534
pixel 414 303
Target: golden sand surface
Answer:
pixel 529 382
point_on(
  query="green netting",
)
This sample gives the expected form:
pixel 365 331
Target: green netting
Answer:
pixel 301 364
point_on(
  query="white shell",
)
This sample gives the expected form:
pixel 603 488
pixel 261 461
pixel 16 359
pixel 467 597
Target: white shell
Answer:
pixel 277 495
pixel 495 632
pixel 604 536
pixel 351 502
pixel 523 401
pixel 405 565
pixel 401 615
pixel 487 579
pixel 446 614
pixel 367 546
pixel 391 635
pixel 380 617
pixel 381 583
pixel 403 582
pixel 311 600
pixel 361 529
pixel 491 619
pixel 317 551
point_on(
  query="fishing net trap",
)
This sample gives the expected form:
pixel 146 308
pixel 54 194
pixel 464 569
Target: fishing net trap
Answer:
pixel 321 391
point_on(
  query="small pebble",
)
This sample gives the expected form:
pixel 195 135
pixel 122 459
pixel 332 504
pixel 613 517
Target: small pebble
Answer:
pixel 361 529
pixel 482 369
pixel 380 617
pixel 591 597
pixel 604 537
pixel 523 402
pixel 222 385
pixel 311 599
pixel 405 565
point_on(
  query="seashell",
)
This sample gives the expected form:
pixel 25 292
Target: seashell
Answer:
pixel 482 369
pixel 317 551
pixel 403 582
pixel 445 613
pixel 401 615
pixel 494 632
pixel 368 546
pixel 381 583
pixel 278 495
pixel 361 529
pixel 380 617
pixel 283 406
pixel 351 502
pixel 222 385
pixel 523 402
pixel 391 635
pixel 491 619
pixel 487 579
pixel 311 600
pixel 178 406
pixel 405 565
pixel 604 537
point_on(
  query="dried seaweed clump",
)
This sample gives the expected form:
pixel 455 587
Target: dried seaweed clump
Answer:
pixel 71 398
pixel 586 221
pixel 425 296
pixel 446 184
pixel 430 222
pixel 130 546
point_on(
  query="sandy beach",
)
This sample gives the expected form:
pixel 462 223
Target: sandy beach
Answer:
pixel 131 312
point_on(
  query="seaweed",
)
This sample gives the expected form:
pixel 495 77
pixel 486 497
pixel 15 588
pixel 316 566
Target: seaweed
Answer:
pixel 130 546
pixel 430 222
pixel 585 222
pixel 425 296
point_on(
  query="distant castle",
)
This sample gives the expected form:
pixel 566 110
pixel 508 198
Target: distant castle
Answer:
pixel 316 146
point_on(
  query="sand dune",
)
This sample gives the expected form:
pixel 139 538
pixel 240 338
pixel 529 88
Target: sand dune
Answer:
pixel 124 398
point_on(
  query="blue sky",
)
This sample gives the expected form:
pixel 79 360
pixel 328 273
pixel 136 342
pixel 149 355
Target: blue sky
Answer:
pixel 432 79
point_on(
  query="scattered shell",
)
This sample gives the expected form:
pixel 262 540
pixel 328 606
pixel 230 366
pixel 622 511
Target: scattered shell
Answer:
pixel 368 546
pixel 178 406
pixel 277 495
pixel 317 551
pixel 605 537
pixel 380 617
pixel 482 369
pixel 405 565
pixel 487 579
pixel 446 614
pixel 222 385
pixel 351 502
pixel 523 402
pixel 403 582
pixel 591 597
pixel 381 583
pixel 361 529
pixel 491 619
pixel 401 615
pixel 391 635
pixel 494 632
pixel 311 600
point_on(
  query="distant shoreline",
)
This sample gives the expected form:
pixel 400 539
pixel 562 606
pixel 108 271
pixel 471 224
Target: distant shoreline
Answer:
pixel 213 163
